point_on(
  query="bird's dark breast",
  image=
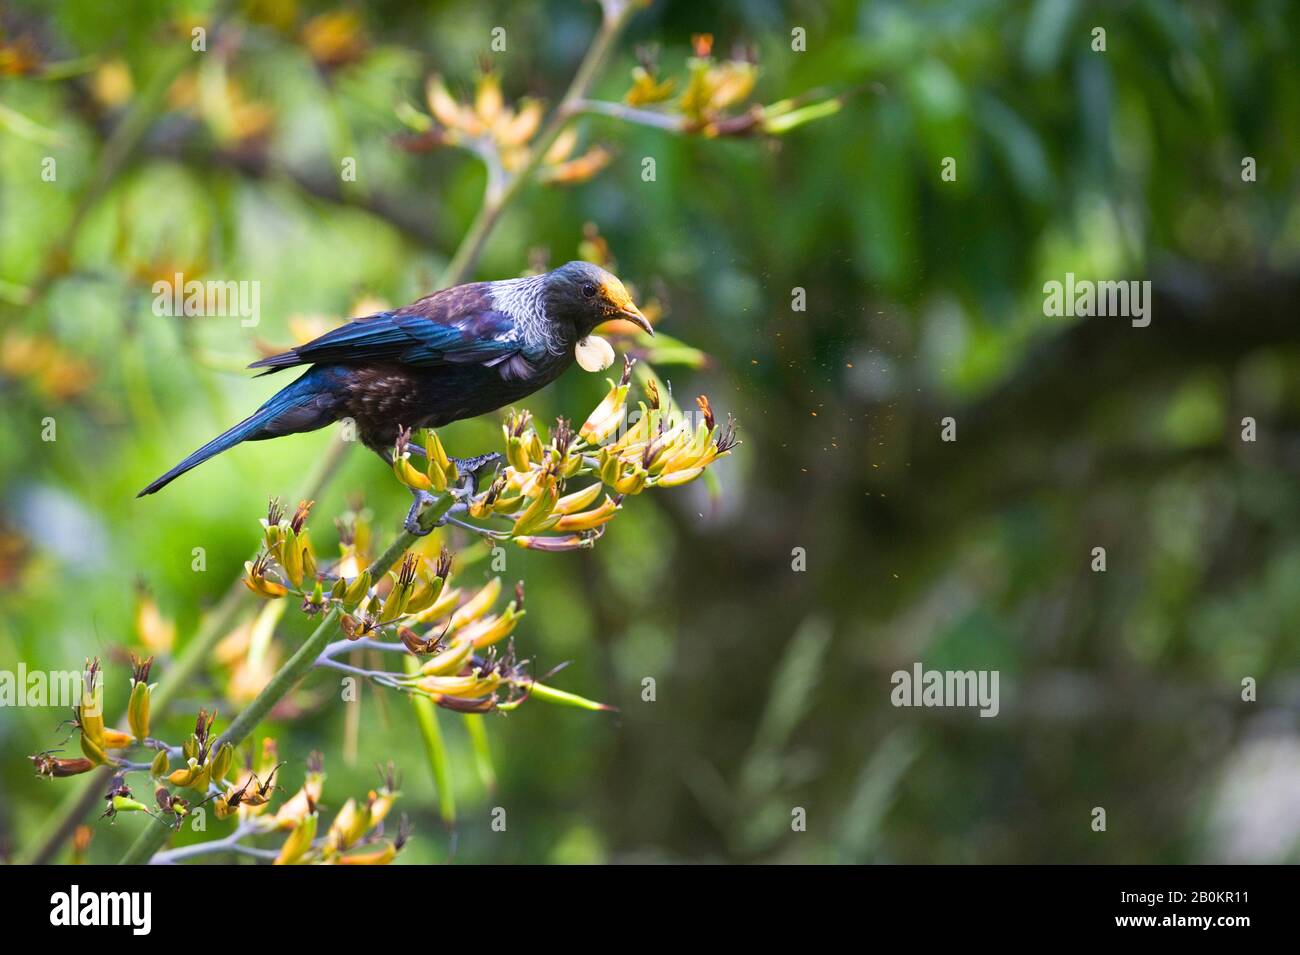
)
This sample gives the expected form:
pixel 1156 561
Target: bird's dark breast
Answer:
pixel 384 398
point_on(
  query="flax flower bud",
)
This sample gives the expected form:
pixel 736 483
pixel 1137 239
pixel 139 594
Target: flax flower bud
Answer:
pixel 403 587
pixel 477 605
pixel 536 514
pixel 357 589
pixel 137 707
pixel 221 761
pixel 256 579
pixel 450 660
pixel 382 801
pixel 554 545
pixel 442 471
pixel 298 844
pixel 604 421
pixel 408 475
pixel 161 764
pixel 90 714
pixel 192 775
pixel 578 500
pixel 483 633
pixel 587 520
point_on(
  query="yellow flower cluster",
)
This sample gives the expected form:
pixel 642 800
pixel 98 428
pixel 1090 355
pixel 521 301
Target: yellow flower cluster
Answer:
pixel 97 739
pixel 713 90
pixel 654 447
pixel 357 824
pixel 285 540
pixel 488 121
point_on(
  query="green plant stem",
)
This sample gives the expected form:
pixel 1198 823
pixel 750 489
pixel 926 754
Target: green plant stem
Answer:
pixel 478 742
pixel 667 122
pixel 499 195
pixel 426 717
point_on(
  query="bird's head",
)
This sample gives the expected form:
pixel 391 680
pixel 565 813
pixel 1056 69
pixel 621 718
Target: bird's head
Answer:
pixel 587 295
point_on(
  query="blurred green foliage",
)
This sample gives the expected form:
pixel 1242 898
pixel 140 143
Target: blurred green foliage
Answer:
pixel 1120 690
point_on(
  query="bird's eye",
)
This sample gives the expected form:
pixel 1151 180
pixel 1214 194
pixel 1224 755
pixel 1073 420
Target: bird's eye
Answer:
pixel 589 290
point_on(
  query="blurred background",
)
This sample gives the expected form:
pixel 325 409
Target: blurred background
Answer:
pixel 1120 690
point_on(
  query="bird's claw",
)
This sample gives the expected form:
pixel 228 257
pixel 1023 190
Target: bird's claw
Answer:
pixel 412 522
pixel 472 466
pixel 468 469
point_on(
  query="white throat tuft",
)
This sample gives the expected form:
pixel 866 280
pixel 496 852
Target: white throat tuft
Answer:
pixel 524 300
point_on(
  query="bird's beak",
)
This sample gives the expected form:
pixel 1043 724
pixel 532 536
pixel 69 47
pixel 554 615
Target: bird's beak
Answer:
pixel 633 314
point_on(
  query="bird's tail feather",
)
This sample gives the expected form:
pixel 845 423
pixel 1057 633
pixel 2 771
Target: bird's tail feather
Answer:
pixel 293 409
pixel 222 442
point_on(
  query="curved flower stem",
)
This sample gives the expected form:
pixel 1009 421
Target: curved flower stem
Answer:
pixel 630 114
pixel 365 643
pixel 230 843
pixel 501 191
pixel 381 677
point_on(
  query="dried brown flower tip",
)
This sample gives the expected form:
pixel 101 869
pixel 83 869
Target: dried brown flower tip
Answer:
pixel 390 780
pixel 300 515
pixel 52 767
pixel 413 642
pixel 517 422
pixel 406 573
pixel 356 626
pixel 703 402
pixel 443 568
pixel 652 394
pixel 117 787
pixel 726 439
pixel 562 436
pixel 90 678
pixel 140 669
pixel 404 831
pixel 347 530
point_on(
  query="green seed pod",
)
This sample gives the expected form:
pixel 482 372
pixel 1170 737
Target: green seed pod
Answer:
pixel 161 764
pixel 357 589
pixel 221 762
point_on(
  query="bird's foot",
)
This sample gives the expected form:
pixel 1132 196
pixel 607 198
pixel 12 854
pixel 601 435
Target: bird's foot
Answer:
pixel 469 468
pixel 412 522
pixel 477 464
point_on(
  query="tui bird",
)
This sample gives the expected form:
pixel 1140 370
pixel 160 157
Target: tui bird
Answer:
pixel 457 353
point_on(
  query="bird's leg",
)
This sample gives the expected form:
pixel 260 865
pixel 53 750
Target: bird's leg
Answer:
pixel 412 522
pixel 469 468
